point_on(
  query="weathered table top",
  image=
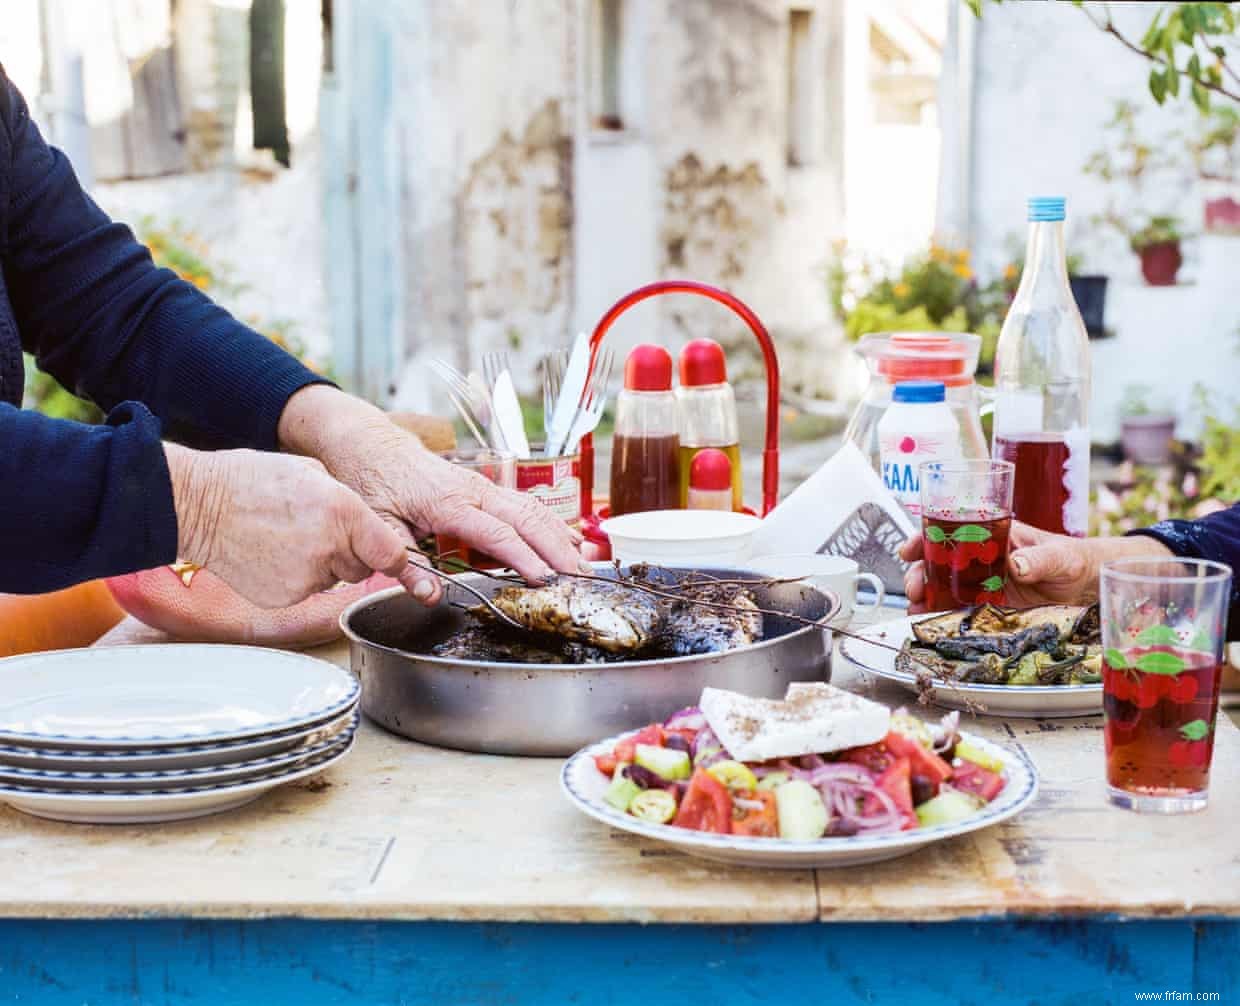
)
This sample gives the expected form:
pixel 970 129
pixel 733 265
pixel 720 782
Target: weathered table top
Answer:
pixel 404 831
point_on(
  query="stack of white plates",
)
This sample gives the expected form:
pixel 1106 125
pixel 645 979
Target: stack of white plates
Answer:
pixel 134 734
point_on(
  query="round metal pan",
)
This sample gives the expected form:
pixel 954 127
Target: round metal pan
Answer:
pixel 554 709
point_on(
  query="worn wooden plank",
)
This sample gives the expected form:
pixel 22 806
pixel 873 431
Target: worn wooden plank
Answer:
pixel 277 961
pixel 403 828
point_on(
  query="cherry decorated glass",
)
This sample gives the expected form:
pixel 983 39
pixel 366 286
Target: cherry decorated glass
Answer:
pixel 1164 622
pixel 966 518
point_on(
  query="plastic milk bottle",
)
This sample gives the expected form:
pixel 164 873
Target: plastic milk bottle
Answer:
pixel 918 426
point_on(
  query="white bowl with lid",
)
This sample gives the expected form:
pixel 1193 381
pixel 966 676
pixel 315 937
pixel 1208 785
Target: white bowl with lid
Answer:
pixel 699 538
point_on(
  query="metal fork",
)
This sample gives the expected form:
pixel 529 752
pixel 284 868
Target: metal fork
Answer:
pixel 452 581
pixel 463 398
pixel 593 400
pixel 553 377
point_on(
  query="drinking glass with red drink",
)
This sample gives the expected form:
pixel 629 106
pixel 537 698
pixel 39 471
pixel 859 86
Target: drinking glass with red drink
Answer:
pixel 499 467
pixel 1163 626
pixel 966 518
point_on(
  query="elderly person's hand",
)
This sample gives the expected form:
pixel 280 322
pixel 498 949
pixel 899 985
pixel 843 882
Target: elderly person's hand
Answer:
pixel 416 492
pixel 276 528
pixel 1042 567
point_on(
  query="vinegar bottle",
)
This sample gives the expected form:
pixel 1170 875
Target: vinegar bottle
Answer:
pixel 645 452
pixel 707 412
pixel 1042 374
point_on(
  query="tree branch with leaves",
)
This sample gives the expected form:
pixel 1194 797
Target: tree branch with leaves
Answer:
pixel 1193 48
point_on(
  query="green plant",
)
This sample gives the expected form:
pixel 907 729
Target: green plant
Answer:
pixel 1158 230
pixel 1136 400
pixel 1220 458
pixel 1186 43
pixel 1215 149
pixel 1127 154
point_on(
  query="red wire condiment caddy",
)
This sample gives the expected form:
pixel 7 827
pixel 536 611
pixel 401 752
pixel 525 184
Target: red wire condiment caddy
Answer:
pixel 770 452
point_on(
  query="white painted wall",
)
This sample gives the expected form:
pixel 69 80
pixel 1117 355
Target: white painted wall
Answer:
pixel 1046 83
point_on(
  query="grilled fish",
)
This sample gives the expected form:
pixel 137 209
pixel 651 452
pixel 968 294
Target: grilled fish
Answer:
pixel 611 617
pixel 696 628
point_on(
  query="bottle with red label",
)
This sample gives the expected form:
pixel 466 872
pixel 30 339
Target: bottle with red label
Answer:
pixel 645 452
pixel 1042 379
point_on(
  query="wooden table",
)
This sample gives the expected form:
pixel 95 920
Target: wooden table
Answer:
pixel 410 874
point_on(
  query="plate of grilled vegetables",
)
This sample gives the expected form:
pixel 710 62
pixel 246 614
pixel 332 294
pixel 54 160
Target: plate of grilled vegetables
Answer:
pixel 1044 661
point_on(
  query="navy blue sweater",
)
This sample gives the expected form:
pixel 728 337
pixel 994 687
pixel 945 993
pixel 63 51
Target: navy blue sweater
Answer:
pixel 81 294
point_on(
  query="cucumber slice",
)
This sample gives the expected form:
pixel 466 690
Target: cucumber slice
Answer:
pixel 622 789
pixel 773 779
pixel 949 806
pixel 802 814
pixel 667 762
pixel 656 805
pixel 734 775
pixel 970 752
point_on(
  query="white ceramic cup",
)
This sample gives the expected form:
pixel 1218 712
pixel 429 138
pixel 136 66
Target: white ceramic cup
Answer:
pixel 833 572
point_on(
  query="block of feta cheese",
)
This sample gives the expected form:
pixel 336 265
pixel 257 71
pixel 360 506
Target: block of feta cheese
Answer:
pixel 813 718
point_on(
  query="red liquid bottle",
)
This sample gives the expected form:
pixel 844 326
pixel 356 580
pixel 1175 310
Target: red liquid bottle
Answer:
pixel 1042 379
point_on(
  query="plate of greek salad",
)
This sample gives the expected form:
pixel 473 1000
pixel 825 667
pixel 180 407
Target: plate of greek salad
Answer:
pixel 820 778
pixel 1043 662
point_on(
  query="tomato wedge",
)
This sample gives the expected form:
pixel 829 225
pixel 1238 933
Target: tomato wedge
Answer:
pixel 706 805
pixel 972 778
pixel 626 749
pixel 895 782
pixel 753 821
pixel 875 757
pixel 922 761
pixel 606 763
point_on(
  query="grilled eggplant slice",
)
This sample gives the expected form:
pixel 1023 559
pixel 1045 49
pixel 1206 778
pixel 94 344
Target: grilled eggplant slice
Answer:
pixel 1051 644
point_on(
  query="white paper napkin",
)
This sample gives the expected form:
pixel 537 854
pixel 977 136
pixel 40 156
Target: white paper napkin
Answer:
pixel 842 509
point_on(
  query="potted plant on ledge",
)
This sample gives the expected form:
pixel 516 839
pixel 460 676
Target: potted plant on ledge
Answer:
pixel 1146 433
pixel 1157 244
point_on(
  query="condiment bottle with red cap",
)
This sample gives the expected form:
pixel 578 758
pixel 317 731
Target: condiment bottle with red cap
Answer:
pixel 707 412
pixel 710 480
pixel 645 452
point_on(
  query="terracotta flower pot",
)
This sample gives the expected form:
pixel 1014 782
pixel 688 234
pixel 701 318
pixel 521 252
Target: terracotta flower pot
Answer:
pixel 1160 263
pixel 1222 215
pixel 197 606
pixel 1147 439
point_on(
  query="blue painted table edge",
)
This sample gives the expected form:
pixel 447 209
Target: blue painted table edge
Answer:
pixel 1043 960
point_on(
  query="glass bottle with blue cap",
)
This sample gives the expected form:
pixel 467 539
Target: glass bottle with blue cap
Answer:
pixel 918 426
pixel 1042 377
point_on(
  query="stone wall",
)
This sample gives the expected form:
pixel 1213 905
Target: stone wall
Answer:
pixel 524 220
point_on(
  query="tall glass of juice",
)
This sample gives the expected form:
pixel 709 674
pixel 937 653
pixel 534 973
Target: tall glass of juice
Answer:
pixel 966 517
pixel 1163 626
pixel 499 467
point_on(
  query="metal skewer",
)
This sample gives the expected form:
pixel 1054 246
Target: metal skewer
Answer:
pixel 483 599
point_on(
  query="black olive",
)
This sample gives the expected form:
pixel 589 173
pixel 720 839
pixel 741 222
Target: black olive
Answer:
pixel 923 788
pixel 676 742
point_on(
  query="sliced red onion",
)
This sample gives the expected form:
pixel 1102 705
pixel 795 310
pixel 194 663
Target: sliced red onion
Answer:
pixel 689 718
pixel 707 749
pixel 947 733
